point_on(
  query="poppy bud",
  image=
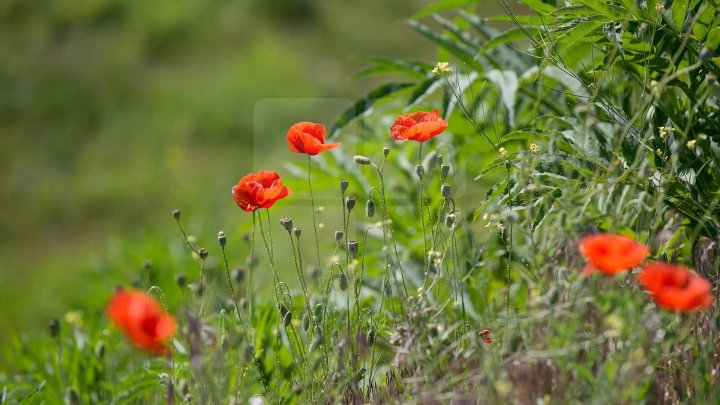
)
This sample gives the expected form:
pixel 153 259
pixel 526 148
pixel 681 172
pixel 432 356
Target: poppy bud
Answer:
pixel 222 239
pixel 371 337
pixel 238 274
pixel 285 314
pixel 147 264
pixel 136 281
pixel 445 190
pixel 54 328
pixel 444 170
pixel 450 219
pixel 439 159
pixel 386 151
pixel 314 272
pixel 176 214
pixel 287 223
pixel 342 281
pixel 305 322
pixel 100 350
pixel 344 185
pixel 339 235
pixel 352 246
pixel 350 203
pixel 180 279
pixel 419 170
pixel 362 160
pixel 203 253
pixel 319 312
pixel 508 165
pixel 297 232
pixel 370 208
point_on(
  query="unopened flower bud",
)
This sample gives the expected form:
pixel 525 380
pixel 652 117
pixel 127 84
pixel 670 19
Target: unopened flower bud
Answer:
pixel 350 203
pixel 508 165
pixel 362 160
pixel 445 190
pixel 238 274
pixel 419 170
pixel 352 246
pixel 203 253
pixel 371 337
pixel 370 208
pixel 287 223
pixel 439 159
pixel 386 151
pixel 444 170
pixel 54 328
pixel 339 235
pixel 344 185
pixel 285 314
pixel 451 219
pixel 180 279
pixel 100 350
pixel 297 232
pixel 176 214
pixel 342 281
pixel 222 239
pixel 305 322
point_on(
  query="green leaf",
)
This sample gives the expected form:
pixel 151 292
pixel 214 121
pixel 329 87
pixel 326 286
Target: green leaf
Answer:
pixel 420 70
pixel 364 105
pixel 441 5
pixel 539 6
pixel 423 90
pixel 455 47
pixel 507 82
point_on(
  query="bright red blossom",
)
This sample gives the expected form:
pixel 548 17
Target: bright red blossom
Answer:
pixel 418 126
pixel 142 320
pixel 611 254
pixel 309 138
pixel 675 287
pixel 259 190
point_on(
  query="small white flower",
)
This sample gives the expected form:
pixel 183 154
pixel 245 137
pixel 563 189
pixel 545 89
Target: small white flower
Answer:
pixel 503 152
pixel 442 68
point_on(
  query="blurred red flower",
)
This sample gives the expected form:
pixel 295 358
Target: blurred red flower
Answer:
pixel 309 138
pixel 611 254
pixel 676 287
pixel 259 190
pixel 142 319
pixel 418 126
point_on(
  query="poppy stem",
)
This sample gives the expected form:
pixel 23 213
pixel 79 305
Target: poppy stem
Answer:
pixel 312 204
pixel 251 270
pixel 421 174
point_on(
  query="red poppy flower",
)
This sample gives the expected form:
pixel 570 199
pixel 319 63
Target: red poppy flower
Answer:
pixel 675 287
pixel 309 138
pixel 259 190
pixel 611 254
pixel 418 126
pixel 142 319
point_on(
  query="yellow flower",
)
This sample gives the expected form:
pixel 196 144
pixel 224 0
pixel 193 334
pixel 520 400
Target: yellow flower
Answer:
pixel 442 68
pixel 503 152
pixel 534 148
pixel 691 143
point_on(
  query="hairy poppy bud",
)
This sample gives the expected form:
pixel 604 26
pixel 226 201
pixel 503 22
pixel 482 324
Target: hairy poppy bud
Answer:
pixel 444 170
pixel 352 246
pixel 445 190
pixel 439 159
pixel 305 322
pixel 342 281
pixel 54 328
pixel 319 312
pixel 203 253
pixel 297 232
pixel 419 170
pixel 180 279
pixel 362 160
pixel 450 219
pixel 222 239
pixel 287 223
pixel 238 274
pixel 370 208
pixel 344 185
pixel 350 203
pixel 176 214
pixel 285 314
pixel 339 235
pixel 386 151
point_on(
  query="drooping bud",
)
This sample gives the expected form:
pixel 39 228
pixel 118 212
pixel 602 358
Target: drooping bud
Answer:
pixel 285 314
pixel 342 281
pixel 370 208
pixel 445 190
pixel 297 232
pixel 362 160
pixel 344 185
pixel 350 203
pixel 176 214
pixel 287 223
pixel 197 288
pixel 222 239
pixel 54 328
pixel 451 219
pixel 352 246
pixel 419 170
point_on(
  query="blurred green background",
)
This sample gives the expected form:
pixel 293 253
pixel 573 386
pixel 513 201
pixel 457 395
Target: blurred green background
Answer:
pixel 112 113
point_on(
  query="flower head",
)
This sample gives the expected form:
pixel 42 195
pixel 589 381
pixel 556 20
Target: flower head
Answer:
pixel 309 138
pixel 442 68
pixel 611 254
pixel 142 320
pixel 259 190
pixel 675 287
pixel 418 126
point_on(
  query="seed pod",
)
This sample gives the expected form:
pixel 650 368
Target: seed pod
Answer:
pixel 180 279
pixel 176 214
pixel 419 170
pixel 386 151
pixel 222 239
pixel 203 253
pixel 350 203
pixel 362 160
pixel 287 223
pixel 370 208
pixel 305 322
pixel 344 185
pixel 444 170
pixel 54 328
pixel 352 246
pixel 297 232
pixel 445 190
pixel 342 281
pixel 371 337
pixel 339 235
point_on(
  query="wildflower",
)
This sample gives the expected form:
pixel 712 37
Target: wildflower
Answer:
pixel 488 340
pixel 309 138
pixel 534 148
pixel 485 332
pixel 691 143
pixel 659 7
pixel 442 68
pixel 676 287
pixel 259 190
pixel 418 126
pixel 610 253
pixel 502 151
pixel 142 319
pixel 664 131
